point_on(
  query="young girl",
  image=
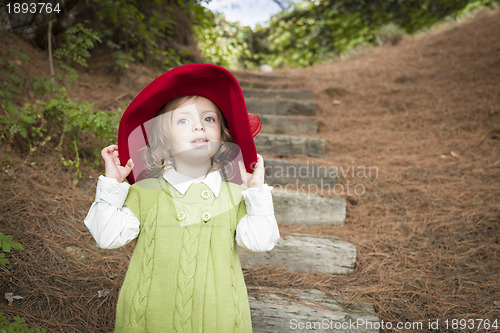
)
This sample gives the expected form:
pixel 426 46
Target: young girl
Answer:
pixel 191 142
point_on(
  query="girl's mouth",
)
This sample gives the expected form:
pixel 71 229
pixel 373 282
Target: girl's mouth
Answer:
pixel 199 142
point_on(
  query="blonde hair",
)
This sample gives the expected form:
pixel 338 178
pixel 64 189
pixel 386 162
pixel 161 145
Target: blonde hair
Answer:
pixel 158 157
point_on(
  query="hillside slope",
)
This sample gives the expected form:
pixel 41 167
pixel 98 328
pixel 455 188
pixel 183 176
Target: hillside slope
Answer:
pixel 425 116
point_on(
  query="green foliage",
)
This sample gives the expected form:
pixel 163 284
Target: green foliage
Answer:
pixel 312 32
pixel 223 43
pixel 13 78
pixel 17 326
pixel 123 59
pixel 19 55
pixel 6 244
pixel 77 117
pixel 60 117
pixel 142 30
pixel 172 58
pixel 389 33
pixel 124 29
pixel 53 116
pixel 473 6
pixel 78 42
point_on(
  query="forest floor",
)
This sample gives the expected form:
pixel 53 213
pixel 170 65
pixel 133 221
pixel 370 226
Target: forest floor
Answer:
pixel 414 130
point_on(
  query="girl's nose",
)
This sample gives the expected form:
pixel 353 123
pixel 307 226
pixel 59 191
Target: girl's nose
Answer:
pixel 199 129
pixel 198 126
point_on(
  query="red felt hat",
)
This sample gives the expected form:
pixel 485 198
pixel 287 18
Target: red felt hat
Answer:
pixel 210 81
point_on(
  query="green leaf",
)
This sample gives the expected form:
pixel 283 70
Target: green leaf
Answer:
pixel 17 246
pixel 6 247
pixel 3 261
pixel 478 203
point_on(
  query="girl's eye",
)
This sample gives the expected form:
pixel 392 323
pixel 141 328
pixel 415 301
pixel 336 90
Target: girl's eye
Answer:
pixel 182 121
pixel 210 119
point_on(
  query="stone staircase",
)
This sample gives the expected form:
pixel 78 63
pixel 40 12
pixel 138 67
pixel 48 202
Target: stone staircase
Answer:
pixel 289 133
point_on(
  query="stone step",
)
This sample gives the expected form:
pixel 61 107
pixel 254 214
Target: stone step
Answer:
pixel 277 93
pixel 282 172
pixel 288 145
pixel 292 310
pixel 253 85
pixel 288 124
pixel 283 108
pixel 302 253
pixel 293 207
pixel 259 76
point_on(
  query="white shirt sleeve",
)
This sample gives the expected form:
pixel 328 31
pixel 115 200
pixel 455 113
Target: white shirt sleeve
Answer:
pixel 258 230
pixel 111 223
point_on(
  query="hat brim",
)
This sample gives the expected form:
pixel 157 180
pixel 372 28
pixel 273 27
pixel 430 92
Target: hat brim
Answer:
pixel 210 81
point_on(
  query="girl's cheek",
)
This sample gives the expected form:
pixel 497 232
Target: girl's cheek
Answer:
pixel 213 126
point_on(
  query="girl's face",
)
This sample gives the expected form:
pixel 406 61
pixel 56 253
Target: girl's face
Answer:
pixel 196 129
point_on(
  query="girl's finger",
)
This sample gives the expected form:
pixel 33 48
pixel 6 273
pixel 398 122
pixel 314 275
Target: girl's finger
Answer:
pixel 128 167
pixel 108 150
pixel 243 171
pixel 260 161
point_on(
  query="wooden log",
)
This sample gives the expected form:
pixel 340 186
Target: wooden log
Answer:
pixel 292 207
pixel 258 76
pixel 252 85
pixel 302 253
pixel 289 145
pixel 292 310
pixel 273 124
pixel 261 107
pixel 280 94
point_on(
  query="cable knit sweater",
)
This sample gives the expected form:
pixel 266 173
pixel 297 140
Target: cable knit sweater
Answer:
pixel 184 274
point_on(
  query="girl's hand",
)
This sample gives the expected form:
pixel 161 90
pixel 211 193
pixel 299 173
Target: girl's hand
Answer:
pixel 256 178
pixel 112 164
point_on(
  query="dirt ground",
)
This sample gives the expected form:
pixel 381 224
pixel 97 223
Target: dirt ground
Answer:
pixel 414 130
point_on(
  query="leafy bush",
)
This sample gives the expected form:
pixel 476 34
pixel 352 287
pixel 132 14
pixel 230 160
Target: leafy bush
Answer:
pixel 389 33
pixel 13 78
pixel 17 326
pixel 139 31
pixel 54 116
pixel 63 118
pixel 6 244
pixel 221 42
pixel 308 34
pixel 312 32
pixel 78 42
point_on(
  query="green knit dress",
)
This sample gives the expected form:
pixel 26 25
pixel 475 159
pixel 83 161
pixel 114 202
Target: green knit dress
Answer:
pixel 185 273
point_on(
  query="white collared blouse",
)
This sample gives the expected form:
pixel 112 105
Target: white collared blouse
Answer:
pixel 112 223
